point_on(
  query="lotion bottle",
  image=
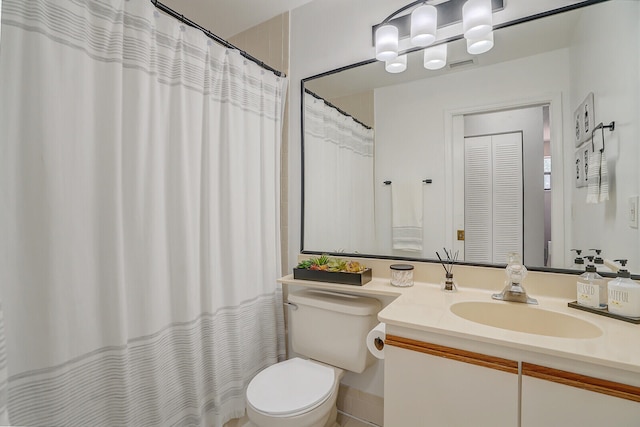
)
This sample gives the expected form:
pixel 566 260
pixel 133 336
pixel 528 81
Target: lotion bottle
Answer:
pixel 624 295
pixel 592 289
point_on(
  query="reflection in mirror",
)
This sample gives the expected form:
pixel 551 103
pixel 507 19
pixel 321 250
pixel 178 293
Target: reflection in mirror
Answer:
pixel 488 155
pixel 339 178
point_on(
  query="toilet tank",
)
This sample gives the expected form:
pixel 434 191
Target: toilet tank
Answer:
pixel 332 328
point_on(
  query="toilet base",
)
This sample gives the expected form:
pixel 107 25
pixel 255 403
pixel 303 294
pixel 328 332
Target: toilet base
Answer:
pixel 330 421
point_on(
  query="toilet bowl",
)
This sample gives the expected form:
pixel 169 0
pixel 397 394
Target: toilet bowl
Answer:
pixel 329 329
pixel 294 393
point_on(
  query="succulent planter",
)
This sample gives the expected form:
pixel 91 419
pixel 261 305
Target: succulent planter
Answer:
pixel 342 277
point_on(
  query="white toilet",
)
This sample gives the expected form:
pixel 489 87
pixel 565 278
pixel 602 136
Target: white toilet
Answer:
pixel 331 330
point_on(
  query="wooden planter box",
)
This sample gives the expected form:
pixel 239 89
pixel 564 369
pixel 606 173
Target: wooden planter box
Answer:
pixel 357 279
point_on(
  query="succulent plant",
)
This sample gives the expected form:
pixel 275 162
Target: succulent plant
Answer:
pixel 326 263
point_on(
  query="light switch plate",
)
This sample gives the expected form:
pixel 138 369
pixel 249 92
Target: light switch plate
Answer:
pixel 633 212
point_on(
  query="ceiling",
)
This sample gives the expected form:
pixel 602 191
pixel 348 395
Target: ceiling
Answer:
pixel 226 18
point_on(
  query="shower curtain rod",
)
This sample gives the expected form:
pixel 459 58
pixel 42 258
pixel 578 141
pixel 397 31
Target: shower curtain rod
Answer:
pixel 344 113
pixel 166 9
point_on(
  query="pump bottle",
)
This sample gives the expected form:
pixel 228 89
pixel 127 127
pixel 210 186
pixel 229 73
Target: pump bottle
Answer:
pixel 592 289
pixel 578 261
pixel 598 261
pixel 624 295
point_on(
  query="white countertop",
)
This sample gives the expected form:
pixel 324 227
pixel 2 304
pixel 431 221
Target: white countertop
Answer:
pixel 424 307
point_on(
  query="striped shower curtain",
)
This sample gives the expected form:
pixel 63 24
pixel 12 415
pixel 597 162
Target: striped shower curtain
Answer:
pixel 338 185
pixel 139 217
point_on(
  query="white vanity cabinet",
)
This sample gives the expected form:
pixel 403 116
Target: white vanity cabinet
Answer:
pixel 433 385
pixel 552 397
pixel 430 384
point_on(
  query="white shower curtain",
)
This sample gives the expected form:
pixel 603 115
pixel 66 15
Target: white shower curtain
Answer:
pixel 338 186
pixel 139 217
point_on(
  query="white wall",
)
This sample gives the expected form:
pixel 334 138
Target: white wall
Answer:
pixel 600 47
pixel 411 138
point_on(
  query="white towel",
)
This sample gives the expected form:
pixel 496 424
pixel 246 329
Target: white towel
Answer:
pixel 597 172
pixel 604 178
pixel 406 213
pixel 593 177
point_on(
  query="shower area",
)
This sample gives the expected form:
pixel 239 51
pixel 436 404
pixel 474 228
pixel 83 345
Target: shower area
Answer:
pixel 140 221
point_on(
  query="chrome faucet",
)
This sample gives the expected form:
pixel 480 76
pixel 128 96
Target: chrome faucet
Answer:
pixel 514 291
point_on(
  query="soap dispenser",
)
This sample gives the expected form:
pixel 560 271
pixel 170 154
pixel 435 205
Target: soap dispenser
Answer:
pixel 598 261
pixel 624 295
pixel 592 289
pixel 578 262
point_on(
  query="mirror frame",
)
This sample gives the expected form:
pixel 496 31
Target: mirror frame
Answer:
pixel 511 23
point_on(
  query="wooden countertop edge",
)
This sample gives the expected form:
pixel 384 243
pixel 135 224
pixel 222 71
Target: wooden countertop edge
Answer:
pixel 584 382
pixel 611 388
pixel 478 359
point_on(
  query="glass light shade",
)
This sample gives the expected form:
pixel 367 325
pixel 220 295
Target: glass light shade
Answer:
pixel 423 25
pixel 476 47
pixel 477 19
pixel 397 65
pixel 435 57
pixel 386 43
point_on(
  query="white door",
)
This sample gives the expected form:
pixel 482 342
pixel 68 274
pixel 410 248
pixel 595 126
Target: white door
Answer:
pixel 493 193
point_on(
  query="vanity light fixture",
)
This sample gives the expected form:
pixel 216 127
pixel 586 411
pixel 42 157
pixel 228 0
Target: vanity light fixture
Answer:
pixel 424 21
pixel 404 32
pixel 481 45
pixel 386 43
pixel 435 57
pixel 477 19
pixel 397 65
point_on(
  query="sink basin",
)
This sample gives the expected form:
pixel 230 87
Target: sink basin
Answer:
pixel 525 318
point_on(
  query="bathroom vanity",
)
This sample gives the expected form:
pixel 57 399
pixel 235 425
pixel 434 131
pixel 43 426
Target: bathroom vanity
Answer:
pixel 452 371
pixel 460 359
pixel 476 389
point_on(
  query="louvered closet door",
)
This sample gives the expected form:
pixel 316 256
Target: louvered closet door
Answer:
pixel 493 197
pixel 478 199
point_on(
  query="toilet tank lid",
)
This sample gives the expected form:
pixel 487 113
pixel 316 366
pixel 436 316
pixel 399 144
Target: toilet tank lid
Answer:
pixel 343 303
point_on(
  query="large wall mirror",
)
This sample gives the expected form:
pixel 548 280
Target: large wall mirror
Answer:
pixel 488 155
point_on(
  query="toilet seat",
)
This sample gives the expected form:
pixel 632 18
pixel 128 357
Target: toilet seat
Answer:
pixel 290 388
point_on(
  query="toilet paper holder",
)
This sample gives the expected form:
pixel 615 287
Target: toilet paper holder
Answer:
pixel 290 304
pixel 379 343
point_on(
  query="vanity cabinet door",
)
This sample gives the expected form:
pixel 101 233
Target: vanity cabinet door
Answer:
pixel 432 385
pixel 557 398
